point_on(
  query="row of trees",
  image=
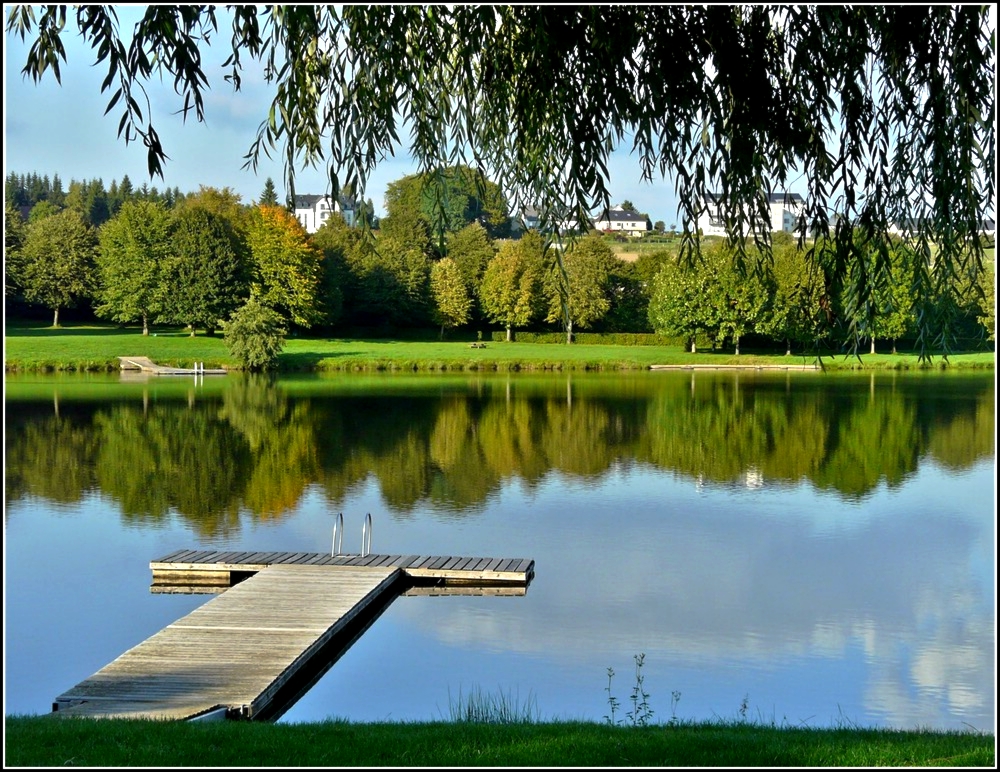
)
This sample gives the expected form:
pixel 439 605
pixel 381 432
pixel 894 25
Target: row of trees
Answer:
pixel 42 196
pixel 194 264
pixel 200 260
pixel 792 299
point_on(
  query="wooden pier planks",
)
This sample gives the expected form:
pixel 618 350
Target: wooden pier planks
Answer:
pixel 212 568
pixel 238 649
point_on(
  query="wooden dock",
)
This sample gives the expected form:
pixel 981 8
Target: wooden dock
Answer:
pixel 734 367
pixel 280 621
pixel 215 570
pixel 146 365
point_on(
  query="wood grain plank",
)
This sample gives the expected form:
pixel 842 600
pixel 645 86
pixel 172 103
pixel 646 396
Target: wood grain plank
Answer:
pixel 236 649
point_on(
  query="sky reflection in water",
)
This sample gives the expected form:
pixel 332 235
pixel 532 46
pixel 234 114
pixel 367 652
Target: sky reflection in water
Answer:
pixel 807 604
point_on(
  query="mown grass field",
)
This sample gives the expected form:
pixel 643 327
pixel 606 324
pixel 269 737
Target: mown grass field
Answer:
pixel 81 347
pixel 46 741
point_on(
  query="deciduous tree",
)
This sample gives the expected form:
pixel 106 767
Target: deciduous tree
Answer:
pixel 133 247
pixel 57 266
pixel 584 297
pixel 206 277
pixel 448 199
pixel 796 313
pixel 511 288
pixel 285 265
pixel 255 335
pixel 13 237
pixel 683 302
pixel 452 302
pixel 472 249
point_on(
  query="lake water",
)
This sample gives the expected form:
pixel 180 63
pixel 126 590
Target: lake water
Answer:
pixel 803 549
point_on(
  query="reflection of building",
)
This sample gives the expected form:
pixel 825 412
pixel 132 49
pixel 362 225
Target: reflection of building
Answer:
pixel 753 478
pixel 313 210
pixel 784 209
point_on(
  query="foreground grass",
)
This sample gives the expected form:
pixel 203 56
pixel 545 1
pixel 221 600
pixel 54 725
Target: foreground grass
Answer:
pixel 48 741
pixel 39 348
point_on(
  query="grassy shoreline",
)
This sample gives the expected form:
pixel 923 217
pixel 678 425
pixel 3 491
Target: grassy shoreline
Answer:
pixel 96 348
pixel 47 741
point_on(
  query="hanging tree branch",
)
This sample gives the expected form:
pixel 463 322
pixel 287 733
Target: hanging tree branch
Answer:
pixel 884 114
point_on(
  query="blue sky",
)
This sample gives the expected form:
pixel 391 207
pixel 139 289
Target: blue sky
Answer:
pixel 52 129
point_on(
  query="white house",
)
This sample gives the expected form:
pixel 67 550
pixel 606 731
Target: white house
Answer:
pixel 784 207
pixel 313 210
pixel 988 227
pixel 619 220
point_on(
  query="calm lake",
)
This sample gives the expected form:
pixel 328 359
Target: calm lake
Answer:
pixel 797 548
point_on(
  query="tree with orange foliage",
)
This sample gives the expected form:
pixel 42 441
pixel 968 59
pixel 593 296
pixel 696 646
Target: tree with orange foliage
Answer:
pixel 286 266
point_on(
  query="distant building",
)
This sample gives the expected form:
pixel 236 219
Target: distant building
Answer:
pixel 530 219
pixel 620 220
pixel 314 210
pixel 988 227
pixel 526 221
pixel 784 208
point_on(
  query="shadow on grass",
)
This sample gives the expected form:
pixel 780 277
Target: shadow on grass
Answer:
pixel 309 360
pixel 43 330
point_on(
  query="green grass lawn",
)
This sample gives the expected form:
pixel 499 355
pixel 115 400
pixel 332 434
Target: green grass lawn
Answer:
pixel 49 741
pixel 38 347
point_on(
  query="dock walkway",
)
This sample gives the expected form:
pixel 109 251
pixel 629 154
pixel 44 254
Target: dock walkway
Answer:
pixel 734 367
pixel 280 622
pixel 146 365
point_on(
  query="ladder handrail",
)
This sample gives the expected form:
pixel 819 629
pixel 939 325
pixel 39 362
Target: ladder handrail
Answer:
pixel 338 534
pixel 366 535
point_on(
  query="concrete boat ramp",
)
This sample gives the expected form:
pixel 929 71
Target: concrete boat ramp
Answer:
pixel 280 621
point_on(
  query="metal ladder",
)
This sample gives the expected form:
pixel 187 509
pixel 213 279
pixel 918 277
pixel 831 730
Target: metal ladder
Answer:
pixel 338 535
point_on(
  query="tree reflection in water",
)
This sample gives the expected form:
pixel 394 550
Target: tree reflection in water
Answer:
pixel 255 447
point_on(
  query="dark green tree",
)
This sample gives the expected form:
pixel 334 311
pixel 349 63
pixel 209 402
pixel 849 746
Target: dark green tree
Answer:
pixel 13 238
pixel 448 200
pixel 336 240
pixel 269 196
pixel 90 199
pixel 255 335
pixel 206 277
